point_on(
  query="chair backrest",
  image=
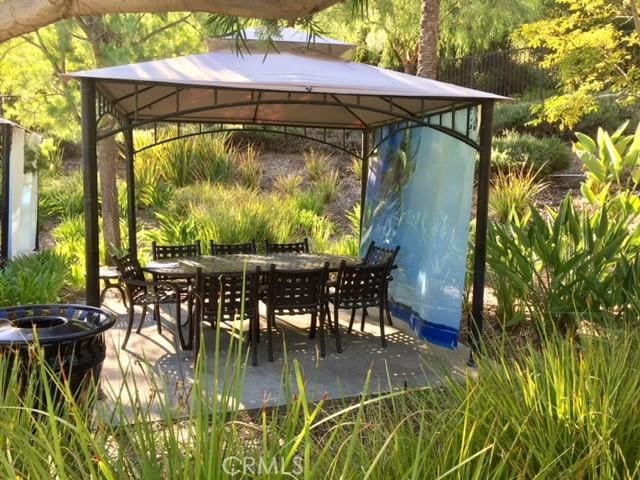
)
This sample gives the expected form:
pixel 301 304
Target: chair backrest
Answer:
pixel 229 249
pixel 175 251
pixel 376 255
pixel 296 247
pixel 297 291
pixel 360 285
pixel 130 269
pixel 228 294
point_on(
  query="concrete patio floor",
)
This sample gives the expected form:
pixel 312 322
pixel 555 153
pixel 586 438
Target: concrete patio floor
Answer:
pixel 406 362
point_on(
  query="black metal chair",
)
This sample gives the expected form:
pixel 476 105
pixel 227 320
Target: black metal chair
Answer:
pixel 160 252
pixel 296 247
pixel 226 297
pixel 297 292
pixel 374 256
pixel 230 249
pixel 359 286
pixel 142 292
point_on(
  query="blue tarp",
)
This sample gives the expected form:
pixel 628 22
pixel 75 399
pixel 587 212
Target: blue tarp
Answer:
pixel 419 193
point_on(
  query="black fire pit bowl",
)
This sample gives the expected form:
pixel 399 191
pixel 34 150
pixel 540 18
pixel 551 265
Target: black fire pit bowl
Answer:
pixel 71 337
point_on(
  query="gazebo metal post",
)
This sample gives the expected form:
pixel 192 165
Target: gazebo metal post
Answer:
pixel 476 318
pixel 6 155
pixel 90 178
pixel 364 177
pixel 131 188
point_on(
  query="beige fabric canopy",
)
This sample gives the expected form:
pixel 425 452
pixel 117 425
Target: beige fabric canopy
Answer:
pixel 280 88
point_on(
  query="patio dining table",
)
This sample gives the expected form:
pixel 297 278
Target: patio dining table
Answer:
pixel 186 267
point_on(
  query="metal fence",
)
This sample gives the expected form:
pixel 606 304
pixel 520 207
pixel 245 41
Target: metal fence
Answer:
pixel 504 72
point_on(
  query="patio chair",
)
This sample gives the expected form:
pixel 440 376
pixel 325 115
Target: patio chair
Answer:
pixel 296 247
pixel 142 292
pixel 359 286
pixel 160 252
pixel 373 256
pixel 297 292
pixel 225 297
pixel 232 248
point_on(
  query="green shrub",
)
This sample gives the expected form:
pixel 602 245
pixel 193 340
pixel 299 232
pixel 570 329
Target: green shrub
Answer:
pixel 512 116
pixel 327 186
pixel 513 193
pixel 51 156
pixel 562 269
pixel 546 155
pixel 611 163
pixel 33 278
pixel 69 241
pixel 356 168
pixel 61 196
pixel 609 115
pixel 236 214
pixel 249 167
pixel 317 164
pixel 310 200
pixel 287 184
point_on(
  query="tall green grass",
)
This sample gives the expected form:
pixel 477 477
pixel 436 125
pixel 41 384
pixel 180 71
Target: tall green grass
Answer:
pixel 61 196
pixel 34 278
pixel 513 193
pixel 567 411
pixel 234 215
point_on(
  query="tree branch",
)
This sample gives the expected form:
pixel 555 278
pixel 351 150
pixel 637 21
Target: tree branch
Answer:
pixel 166 26
pixel 18 17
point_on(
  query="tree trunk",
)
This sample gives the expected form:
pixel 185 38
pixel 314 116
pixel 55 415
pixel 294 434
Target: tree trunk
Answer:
pixel 18 17
pixel 100 37
pixel 108 154
pixel 429 39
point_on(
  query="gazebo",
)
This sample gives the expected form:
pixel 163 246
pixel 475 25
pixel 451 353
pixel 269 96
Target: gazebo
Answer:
pixel 418 140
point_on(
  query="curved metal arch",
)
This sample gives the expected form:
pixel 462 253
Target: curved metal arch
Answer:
pixel 260 130
pixel 191 111
pixel 452 133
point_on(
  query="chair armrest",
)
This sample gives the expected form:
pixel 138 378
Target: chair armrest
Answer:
pixel 147 283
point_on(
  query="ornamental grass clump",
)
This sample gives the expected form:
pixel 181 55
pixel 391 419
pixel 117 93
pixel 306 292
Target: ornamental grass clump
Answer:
pixel 33 278
pixel 569 410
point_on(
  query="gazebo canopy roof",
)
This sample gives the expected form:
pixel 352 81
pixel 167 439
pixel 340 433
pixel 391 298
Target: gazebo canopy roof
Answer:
pixel 280 88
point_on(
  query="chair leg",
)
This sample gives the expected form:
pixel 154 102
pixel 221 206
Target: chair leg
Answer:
pixel 364 316
pixel 270 335
pixel 254 328
pixel 382 339
pixel 156 315
pixel 386 307
pixel 118 287
pixel 129 326
pixel 314 319
pixel 312 330
pixel 353 316
pixel 144 313
pixel 184 344
pixel 337 326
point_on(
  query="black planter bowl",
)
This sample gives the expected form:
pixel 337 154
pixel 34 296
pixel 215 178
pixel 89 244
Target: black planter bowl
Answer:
pixel 71 338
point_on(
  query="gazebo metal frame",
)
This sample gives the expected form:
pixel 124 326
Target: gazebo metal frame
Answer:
pixel 97 103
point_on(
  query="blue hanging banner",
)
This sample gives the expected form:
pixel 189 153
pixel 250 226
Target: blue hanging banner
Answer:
pixel 419 192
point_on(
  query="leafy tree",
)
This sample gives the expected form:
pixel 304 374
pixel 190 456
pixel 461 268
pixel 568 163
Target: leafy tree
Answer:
pixel 592 45
pixel 47 103
pixel 389 32
pixel 18 17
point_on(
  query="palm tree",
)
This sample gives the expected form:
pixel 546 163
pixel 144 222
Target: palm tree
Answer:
pixel 429 38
